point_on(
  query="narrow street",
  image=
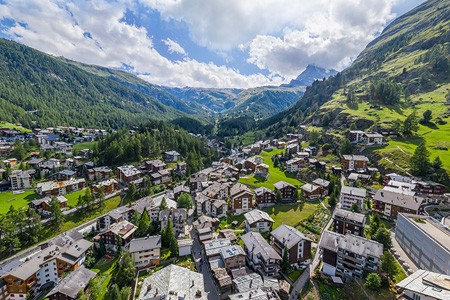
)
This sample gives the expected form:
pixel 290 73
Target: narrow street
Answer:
pixel 201 262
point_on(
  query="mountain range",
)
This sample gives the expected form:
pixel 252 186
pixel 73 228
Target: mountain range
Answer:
pixel 38 89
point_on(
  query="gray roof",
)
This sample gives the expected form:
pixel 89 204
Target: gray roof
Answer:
pixel 355 244
pixel 60 199
pixel 254 242
pixel 231 251
pixel 288 235
pixel 129 170
pixel 262 190
pixel 173 153
pixel 248 282
pixel 353 191
pixel 124 229
pixel 433 285
pixel 213 247
pixel 399 197
pixel 257 215
pixel 356 157
pixel 173 282
pixel 145 243
pixel 173 214
pixel 321 182
pixel 239 188
pixel 282 184
pixel 353 216
pixel 308 187
pixel 73 283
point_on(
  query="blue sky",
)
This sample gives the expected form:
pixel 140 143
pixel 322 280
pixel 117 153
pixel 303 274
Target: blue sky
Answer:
pixel 202 43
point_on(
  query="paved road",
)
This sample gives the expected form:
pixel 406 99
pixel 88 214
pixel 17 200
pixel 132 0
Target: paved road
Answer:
pixel 402 254
pixel 203 267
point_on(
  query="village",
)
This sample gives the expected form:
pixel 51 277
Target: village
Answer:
pixel 277 219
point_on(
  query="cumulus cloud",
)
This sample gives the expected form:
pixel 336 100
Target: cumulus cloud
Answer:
pixel 330 38
pixel 283 36
pixel 95 32
pixel 174 47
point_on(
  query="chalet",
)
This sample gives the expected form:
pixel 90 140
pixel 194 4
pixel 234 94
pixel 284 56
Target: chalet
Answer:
pixel 10 162
pixel 20 179
pixel 297 244
pixel 287 191
pixel 217 191
pixel 153 166
pixel 241 199
pixel 63 147
pixel 295 164
pixel 366 138
pixel 120 233
pixel 52 188
pixel 65 175
pixel 260 255
pixel 311 191
pixel 108 186
pixel 323 184
pixel 35 163
pixel 354 162
pixel 69 287
pixel 396 177
pixel 354 177
pixel 178 217
pixel 345 221
pixel 429 187
pixel 390 201
pixel 127 174
pixel 264 197
pixel 171 156
pixel 99 173
pixel 43 206
pixel 257 220
pixel 252 162
pixel 145 251
pixel 5 150
pixel 292 148
pixel 181 168
pixel 233 257
pixel 352 196
pixel 349 255
pixel 197 181
pixel 45 268
pixel 213 248
pixel 262 170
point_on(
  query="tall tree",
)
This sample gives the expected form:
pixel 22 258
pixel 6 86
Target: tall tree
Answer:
pixel 126 270
pixel 144 225
pixel 420 164
pixel 346 146
pixel 278 197
pixel 388 264
pixel 285 261
pixel 163 204
pixel 57 214
pixel 383 236
pixel 185 201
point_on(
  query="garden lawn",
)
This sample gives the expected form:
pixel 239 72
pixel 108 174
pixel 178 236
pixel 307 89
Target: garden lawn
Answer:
pixel 16 200
pixel 72 198
pixel 294 275
pixel 290 214
pixel 105 269
pixel 275 174
pixel 86 145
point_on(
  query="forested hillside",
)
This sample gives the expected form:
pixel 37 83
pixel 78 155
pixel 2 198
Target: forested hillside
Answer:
pixel 149 142
pixel 37 89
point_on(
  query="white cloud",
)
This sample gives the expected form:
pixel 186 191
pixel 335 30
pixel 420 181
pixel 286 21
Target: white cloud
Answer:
pixel 94 32
pixel 174 47
pixel 330 38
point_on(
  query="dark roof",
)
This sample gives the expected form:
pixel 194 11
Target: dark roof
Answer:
pixel 73 283
pixel 145 243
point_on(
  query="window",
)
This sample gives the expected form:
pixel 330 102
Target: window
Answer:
pixel 416 297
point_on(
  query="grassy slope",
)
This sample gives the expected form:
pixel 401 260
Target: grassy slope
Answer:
pixel 275 173
pixel 18 201
pixel 392 67
pixel 86 145
pixel 14 127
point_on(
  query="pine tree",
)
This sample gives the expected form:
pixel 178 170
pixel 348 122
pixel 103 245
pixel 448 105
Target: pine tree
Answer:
pixel 163 204
pixel 278 197
pixel 144 225
pixel 57 214
pixel 126 270
pixel 420 164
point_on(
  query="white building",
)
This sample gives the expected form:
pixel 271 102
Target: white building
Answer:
pixel 145 251
pixel 352 195
pixel 257 220
pixel 425 285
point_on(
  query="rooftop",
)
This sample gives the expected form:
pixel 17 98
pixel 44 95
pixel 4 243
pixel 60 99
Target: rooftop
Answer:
pixel 231 251
pixel 355 244
pixel 353 191
pixel 257 215
pixel 434 285
pixel 145 243
pixel 173 283
pixel 255 242
pixel 73 283
pixel 348 215
pixel 288 235
pixel 434 229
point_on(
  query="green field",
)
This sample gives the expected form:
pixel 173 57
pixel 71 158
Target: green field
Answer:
pixel 72 199
pixel 275 174
pixel 290 214
pixel 86 145
pixel 17 201
pixel 14 127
